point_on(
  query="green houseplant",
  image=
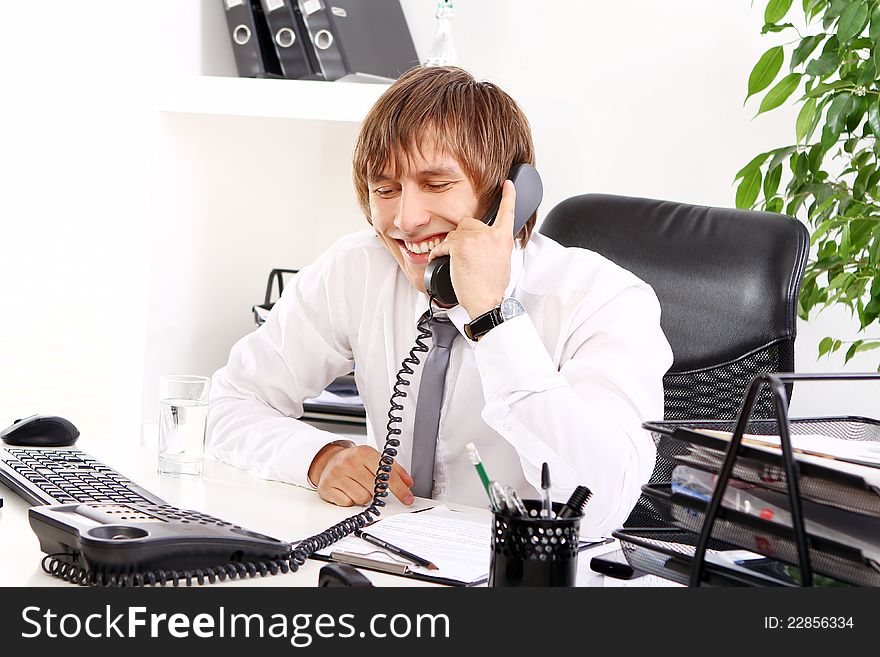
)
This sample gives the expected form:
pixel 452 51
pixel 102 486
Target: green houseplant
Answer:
pixel 829 176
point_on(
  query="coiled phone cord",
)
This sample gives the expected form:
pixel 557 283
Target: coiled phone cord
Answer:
pixel 65 567
pixel 329 536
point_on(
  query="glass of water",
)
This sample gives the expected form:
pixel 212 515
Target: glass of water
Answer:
pixel 183 410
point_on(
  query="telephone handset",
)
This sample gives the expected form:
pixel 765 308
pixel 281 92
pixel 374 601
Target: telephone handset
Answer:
pixel 529 192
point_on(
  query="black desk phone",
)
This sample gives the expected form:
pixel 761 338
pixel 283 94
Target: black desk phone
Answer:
pixel 108 544
pixel 143 544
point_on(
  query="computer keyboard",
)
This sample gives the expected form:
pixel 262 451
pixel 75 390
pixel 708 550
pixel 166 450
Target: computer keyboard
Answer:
pixel 52 475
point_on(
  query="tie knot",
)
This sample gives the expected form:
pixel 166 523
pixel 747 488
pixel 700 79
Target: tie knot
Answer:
pixel 443 332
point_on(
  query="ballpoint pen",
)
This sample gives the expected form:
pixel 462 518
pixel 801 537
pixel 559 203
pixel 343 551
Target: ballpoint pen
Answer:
pixel 545 486
pixel 478 464
pixel 393 549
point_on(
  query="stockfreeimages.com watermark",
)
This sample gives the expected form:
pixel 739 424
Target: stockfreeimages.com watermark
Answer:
pixel 299 629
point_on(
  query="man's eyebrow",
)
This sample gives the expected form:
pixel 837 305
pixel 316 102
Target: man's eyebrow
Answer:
pixel 424 173
pixel 439 171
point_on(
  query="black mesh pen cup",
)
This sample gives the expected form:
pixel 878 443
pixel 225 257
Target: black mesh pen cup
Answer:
pixel 534 550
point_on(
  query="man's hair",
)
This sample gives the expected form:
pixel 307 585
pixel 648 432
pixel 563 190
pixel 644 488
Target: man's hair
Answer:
pixel 476 122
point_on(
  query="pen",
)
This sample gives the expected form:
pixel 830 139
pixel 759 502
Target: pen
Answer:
pixel 478 464
pixel 545 485
pixel 393 549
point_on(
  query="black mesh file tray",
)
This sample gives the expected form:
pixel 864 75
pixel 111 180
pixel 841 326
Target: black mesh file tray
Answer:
pixel 836 561
pixel 823 485
pixel 668 553
pixel 791 464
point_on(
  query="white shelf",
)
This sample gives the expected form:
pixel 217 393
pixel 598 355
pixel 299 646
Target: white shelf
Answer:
pixel 284 99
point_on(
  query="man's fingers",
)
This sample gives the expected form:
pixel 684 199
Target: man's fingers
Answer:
pixel 404 475
pixel 356 490
pixel 504 218
pixel 335 496
pixel 439 251
pixel 400 489
pixel 399 483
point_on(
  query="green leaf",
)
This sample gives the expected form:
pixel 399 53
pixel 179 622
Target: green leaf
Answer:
pixel 804 121
pixel 832 44
pixel 747 192
pixel 868 73
pixel 779 155
pixel 852 21
pixel 856 113
pixel 844 248
pixel 776 10
pixel 814 159
pixel 812 8
pixel 875 55
pixel 838 111
pixel 874 117
pixel 829 137
pixel 805 48
pixel 825 346
pixel 837 345
pixel 765 70
pixel 838 280
pixel 819 233
pixel 874 29
pixel 853 348
pixel 825 87
pixel 825 65
pixel 755 163
pixel 778 94
pixel 774 205
pixel 775 28
pixel 771 182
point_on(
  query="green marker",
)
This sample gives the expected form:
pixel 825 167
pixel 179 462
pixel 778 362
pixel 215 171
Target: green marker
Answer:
pixel 478 464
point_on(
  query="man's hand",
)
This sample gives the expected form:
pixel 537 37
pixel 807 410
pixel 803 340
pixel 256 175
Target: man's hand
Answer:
pixel 346 475
pixel 480 257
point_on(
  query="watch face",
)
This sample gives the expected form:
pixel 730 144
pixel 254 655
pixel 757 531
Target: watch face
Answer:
pixel 510 308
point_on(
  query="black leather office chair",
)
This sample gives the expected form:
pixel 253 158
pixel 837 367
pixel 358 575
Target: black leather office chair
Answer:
pixel 727 281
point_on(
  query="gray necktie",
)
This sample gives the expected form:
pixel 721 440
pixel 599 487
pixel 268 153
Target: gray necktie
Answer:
pixel 443 334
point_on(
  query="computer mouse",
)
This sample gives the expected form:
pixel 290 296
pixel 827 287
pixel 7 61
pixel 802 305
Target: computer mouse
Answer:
pixel 40 431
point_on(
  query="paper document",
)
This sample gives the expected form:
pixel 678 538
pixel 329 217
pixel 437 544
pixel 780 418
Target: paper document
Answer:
pixel 332 399
pixel 457 542
pixel 866 451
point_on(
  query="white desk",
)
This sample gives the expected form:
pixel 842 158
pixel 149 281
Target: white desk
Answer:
pixel 280 510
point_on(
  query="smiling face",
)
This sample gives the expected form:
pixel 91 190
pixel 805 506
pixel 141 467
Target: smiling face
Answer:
pixel 415 206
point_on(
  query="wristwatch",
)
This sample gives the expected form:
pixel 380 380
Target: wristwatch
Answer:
pixel 508 309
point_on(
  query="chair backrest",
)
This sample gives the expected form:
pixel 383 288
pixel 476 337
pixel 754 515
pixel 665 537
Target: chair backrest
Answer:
pixel 727 281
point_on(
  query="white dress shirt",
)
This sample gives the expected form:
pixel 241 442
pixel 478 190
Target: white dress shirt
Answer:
pixel 569 383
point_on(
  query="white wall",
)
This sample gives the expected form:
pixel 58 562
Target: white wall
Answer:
pixel 181 217
pixel 75 133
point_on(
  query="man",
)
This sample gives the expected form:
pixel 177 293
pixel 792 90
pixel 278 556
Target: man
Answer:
pixel 567 379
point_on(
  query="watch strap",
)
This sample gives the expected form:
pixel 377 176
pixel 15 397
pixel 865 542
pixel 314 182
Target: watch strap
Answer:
pixel 483 324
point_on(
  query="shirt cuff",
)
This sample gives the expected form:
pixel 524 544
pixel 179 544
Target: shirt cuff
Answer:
pixel 511 358
pixel 295 458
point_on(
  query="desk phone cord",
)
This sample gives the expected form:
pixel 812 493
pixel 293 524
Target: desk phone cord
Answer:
pixel 54 564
